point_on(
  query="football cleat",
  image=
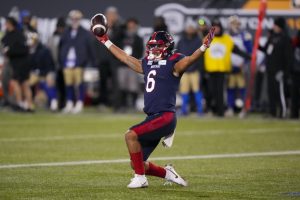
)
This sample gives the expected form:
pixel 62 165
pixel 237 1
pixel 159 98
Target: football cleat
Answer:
pixel 53 105
pixel 138 181
pixel 173 176
pixel 229 113
pixel 78 107
pixel 68 108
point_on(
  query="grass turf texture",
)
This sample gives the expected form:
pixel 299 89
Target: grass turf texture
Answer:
pixel 44 138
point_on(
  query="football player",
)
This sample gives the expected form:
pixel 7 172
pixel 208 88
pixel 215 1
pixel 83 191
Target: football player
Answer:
pixel 236 81
pixel 43 67
pixel 162 68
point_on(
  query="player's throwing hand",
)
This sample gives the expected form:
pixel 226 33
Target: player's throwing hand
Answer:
pixel 208 39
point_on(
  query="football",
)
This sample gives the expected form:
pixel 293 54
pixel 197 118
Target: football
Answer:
pixel 99 24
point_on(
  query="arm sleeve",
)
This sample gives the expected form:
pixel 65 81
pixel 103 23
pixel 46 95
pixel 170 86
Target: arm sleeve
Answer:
pixel 264 48
pixel 239 52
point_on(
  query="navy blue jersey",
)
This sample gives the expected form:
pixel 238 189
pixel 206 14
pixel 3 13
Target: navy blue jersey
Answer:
pixel 160 84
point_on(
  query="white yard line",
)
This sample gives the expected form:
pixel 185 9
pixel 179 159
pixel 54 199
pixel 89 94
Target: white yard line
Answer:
pixel 55 138
pixel 242 131
pixel 191 157
pixel 180 133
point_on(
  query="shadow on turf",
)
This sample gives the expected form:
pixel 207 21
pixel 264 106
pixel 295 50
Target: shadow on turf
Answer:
pixel 292 194
pixel 184 193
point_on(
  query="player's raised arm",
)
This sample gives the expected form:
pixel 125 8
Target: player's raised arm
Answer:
pixel 130 61
pixel 99 29
pixel 184 63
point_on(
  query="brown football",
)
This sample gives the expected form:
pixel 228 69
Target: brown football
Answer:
pixel 99 24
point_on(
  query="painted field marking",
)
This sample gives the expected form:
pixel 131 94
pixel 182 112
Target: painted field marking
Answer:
pixel 56 138
pixel 191 157
pixel 114 135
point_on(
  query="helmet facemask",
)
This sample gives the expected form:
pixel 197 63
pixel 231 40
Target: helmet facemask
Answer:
pixel 156 50
pixel 159 47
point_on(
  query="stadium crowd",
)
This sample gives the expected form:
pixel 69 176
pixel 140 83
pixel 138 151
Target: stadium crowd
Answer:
pixel 35 73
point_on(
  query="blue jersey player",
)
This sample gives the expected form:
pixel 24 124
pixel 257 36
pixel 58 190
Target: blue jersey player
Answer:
pixel 162 69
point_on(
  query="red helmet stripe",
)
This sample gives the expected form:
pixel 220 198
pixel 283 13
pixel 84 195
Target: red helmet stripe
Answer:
pixel 153 36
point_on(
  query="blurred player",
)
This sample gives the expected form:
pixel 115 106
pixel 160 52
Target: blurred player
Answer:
pixel 162 69
pixel 16 50
pixel 43 69
pixel 295 76
pixel 190 81
pixel 279 59
pixel 217 61
pixel 75 52
pixel 236 80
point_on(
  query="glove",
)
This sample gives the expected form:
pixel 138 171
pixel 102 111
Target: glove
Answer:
pixel 208 39
pixel 279 76
pixel 103 38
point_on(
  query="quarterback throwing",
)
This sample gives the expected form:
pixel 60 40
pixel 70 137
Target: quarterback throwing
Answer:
pixel 162 68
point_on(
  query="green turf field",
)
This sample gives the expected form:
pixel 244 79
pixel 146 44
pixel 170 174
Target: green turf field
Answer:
pixel 55 138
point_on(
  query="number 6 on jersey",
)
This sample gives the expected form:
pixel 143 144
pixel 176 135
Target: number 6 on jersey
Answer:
pixel 150 81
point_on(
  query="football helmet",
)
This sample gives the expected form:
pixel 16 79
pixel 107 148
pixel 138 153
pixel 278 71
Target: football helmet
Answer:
pixel 234 23
pixel 160 45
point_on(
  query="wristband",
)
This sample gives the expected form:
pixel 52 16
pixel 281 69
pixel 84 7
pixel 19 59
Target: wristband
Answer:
pixel 108 44
pixel 203 48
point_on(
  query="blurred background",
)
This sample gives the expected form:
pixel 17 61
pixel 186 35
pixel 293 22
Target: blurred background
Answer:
pixel 50 61
pixel 65 101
